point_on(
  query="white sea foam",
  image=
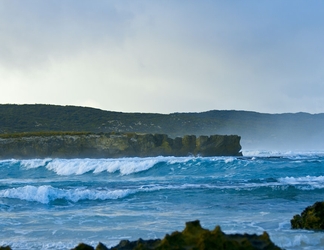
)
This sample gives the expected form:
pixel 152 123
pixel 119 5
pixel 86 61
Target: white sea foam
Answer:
pixel 229 160
pixel 174 160
pixel 46 194
pixel 81 166
pixel 125 166
pixel 30 193
pixel 301 241
pixel 291 154
pixel 260 153
pixel 311 181
pixel 77 166
pixel 34 163
pixel 10 161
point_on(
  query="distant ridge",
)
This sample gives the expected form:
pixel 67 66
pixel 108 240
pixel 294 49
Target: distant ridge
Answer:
pixel 288 131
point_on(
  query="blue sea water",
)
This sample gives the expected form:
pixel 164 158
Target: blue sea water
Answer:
pixel 57 203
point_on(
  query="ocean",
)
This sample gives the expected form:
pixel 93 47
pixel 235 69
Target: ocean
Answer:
pixel 58 203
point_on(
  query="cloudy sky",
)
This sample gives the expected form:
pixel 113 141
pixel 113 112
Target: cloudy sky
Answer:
pixel 165 55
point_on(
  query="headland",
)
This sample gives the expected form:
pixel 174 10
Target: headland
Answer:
pixel 114 145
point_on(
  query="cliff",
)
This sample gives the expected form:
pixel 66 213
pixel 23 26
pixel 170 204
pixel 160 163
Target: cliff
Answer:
pixel 299 131
pixel 113 145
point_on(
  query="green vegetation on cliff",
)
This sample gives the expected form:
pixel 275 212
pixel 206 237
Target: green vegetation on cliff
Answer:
pixel 44 134
pixel 275 131
pixel 112 145
pixel 311 218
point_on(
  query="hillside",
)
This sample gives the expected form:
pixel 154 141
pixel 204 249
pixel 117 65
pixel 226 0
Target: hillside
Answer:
pixel 288 131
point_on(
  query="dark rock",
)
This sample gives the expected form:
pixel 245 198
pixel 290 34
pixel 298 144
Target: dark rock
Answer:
pixel 139 244
pixel 221 145
pixel 188 145
pixel 311 218
pixel 113 145
pixel 83 246
pixel 198 238
pixel 5 248
pixel 101 246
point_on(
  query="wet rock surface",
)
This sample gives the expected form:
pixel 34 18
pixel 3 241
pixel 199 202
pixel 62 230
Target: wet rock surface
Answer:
pixel 311 218
pixel 194 237
pixel 5 248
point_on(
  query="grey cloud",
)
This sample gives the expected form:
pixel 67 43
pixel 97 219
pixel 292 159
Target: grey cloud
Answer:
pixel 36 31
pixel 166 56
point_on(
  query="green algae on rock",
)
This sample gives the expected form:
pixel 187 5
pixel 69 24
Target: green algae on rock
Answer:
pixel 311 218
pixel 5 248
pixel 83 246
pixel 196 238
pixel 114 145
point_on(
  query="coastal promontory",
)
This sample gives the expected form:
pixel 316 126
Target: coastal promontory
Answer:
pixel 113 145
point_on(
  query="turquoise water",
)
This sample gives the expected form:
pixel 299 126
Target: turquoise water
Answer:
pixel 57 203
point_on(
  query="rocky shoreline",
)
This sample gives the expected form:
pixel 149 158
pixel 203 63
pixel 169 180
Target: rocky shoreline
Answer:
pixel 194 237
pixel 312 218
pixel 114 145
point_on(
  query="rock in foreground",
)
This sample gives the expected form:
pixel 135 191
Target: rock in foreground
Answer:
pixel 5 248
pixel 195 237
pixel 113 145
pixel 311 218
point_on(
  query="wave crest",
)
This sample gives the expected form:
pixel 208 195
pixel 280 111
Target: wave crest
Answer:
pixel 125 166
pixel 308 182
pixel 46 194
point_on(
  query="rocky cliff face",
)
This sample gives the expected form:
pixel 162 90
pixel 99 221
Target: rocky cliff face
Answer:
pixel 113 145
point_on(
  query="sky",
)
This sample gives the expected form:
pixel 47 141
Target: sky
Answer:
pixel 164 56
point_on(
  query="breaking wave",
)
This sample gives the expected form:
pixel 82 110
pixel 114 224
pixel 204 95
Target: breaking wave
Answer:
pixel 306 182
pixel 47 193
pixel 125 166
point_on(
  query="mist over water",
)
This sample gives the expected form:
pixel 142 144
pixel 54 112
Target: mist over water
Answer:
pixel 272 132
pixel 57 203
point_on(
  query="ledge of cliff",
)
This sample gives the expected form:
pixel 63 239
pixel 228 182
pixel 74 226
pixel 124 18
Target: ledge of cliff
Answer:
pixel 114 145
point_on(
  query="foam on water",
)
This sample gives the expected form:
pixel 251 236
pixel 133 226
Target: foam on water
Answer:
pixel 314 182
pixel 301 240
pixel 34 163
pixel 56 203
pixel 292 154
pixel 125 166
pixel 46 194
